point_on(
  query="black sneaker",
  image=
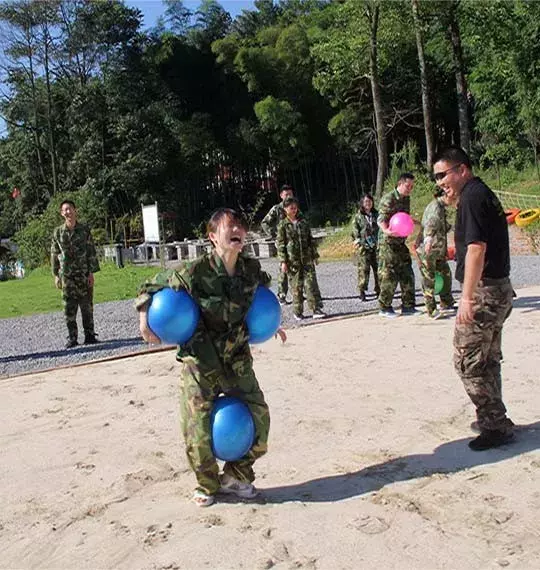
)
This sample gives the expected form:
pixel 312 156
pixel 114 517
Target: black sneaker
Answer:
pixel 362 296
pixel 71 343
pixel 388 313
pixel 409 311
pixel 298 317
pixel 90 339
pixel 490 438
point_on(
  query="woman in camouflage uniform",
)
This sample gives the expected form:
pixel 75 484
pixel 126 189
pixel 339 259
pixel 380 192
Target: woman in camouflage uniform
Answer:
pixel 365 235
pixel 298 255
pixel 217 359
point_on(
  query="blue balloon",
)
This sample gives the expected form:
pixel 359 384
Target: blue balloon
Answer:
pixel 173 316
pixel 264 316
pixel 232 428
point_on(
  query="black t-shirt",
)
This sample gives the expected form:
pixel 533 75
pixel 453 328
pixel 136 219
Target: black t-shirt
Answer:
pixel 481 218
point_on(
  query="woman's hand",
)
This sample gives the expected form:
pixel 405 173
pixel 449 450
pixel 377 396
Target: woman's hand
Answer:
pixel 146 331
pixel 282 334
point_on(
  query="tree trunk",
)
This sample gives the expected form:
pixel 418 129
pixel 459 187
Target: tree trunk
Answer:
pixel 50 125
pixel 372 11
pixel 426 110
pixel 461 84
pixel 36 128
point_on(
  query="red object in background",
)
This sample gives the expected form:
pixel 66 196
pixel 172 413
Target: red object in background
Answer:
pixel 511 215
pixel 451 253
pixel 16 193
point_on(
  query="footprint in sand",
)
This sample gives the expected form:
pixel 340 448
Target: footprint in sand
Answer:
pixel 85 467
pixel 211 520
pixel 155 535
pixel 120 529
pixel 369 525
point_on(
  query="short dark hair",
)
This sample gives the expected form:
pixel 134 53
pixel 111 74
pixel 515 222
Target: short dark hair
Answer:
pixel 70 202
pixel 453 154
pixel 438 193
pixel 285 187
pixel 290 200
pixel 404 176
pixel 220 214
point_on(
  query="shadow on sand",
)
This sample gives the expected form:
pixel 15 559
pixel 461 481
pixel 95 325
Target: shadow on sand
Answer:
pixel 450 457
pixel 82 349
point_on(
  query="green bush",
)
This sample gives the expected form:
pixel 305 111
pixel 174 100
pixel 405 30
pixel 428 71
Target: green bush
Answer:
pixel 99 236
pixel 34 240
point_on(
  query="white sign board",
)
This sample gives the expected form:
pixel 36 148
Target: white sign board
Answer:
pixel 150 223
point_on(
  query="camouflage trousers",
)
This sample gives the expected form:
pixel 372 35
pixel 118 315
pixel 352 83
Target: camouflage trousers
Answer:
pixel 429 265
pixel 395 266
pixel 76 293
pixel 283 284
pixel 367 259
pixel 477 354
pixel 198 391
pixel 304 279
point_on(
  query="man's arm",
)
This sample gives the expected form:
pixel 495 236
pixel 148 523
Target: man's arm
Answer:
pixel 384 218
pixel 55 261
pixel 91 255
pixel 474 266
pixel 55 252
pixel 270 222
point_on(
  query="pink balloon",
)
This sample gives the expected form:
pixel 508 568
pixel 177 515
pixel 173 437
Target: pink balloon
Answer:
pixel 401 224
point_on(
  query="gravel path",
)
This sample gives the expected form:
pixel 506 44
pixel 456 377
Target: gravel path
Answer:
pixel 37 342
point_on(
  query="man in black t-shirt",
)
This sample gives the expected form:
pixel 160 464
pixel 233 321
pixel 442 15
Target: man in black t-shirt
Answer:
pixel 483 269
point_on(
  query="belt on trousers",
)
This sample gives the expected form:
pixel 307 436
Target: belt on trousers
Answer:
pixel 487 282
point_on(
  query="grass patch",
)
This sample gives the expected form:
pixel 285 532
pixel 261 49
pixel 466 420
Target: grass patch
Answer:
pixel 36 293
pixel 338 245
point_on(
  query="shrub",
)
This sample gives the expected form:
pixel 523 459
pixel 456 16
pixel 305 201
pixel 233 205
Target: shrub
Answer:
pixel 34 240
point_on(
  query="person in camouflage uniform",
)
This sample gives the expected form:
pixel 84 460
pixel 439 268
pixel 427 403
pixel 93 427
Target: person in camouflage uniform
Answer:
pixel 365 235
pixel 298 255
pixel 483 269
pixel 432 248
pixel 269 226
pixel 217 359
pixel 74 262
pixel 395 264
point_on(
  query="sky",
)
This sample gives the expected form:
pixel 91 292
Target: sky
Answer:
pixel 152 9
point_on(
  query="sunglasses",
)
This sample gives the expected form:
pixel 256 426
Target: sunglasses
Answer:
pixel 438 176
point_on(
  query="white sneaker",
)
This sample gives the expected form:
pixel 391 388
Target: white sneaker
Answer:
pixel 231 486
pixel 318 314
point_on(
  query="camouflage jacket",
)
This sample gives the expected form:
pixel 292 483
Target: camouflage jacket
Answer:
pixel 295 244
pixel 73 254
pixel 271 221
pixel 365 230
pixel 221 336
pixel 390 204
pixel 435 226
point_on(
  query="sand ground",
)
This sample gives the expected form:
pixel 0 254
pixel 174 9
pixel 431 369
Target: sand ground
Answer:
pixel 368 465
